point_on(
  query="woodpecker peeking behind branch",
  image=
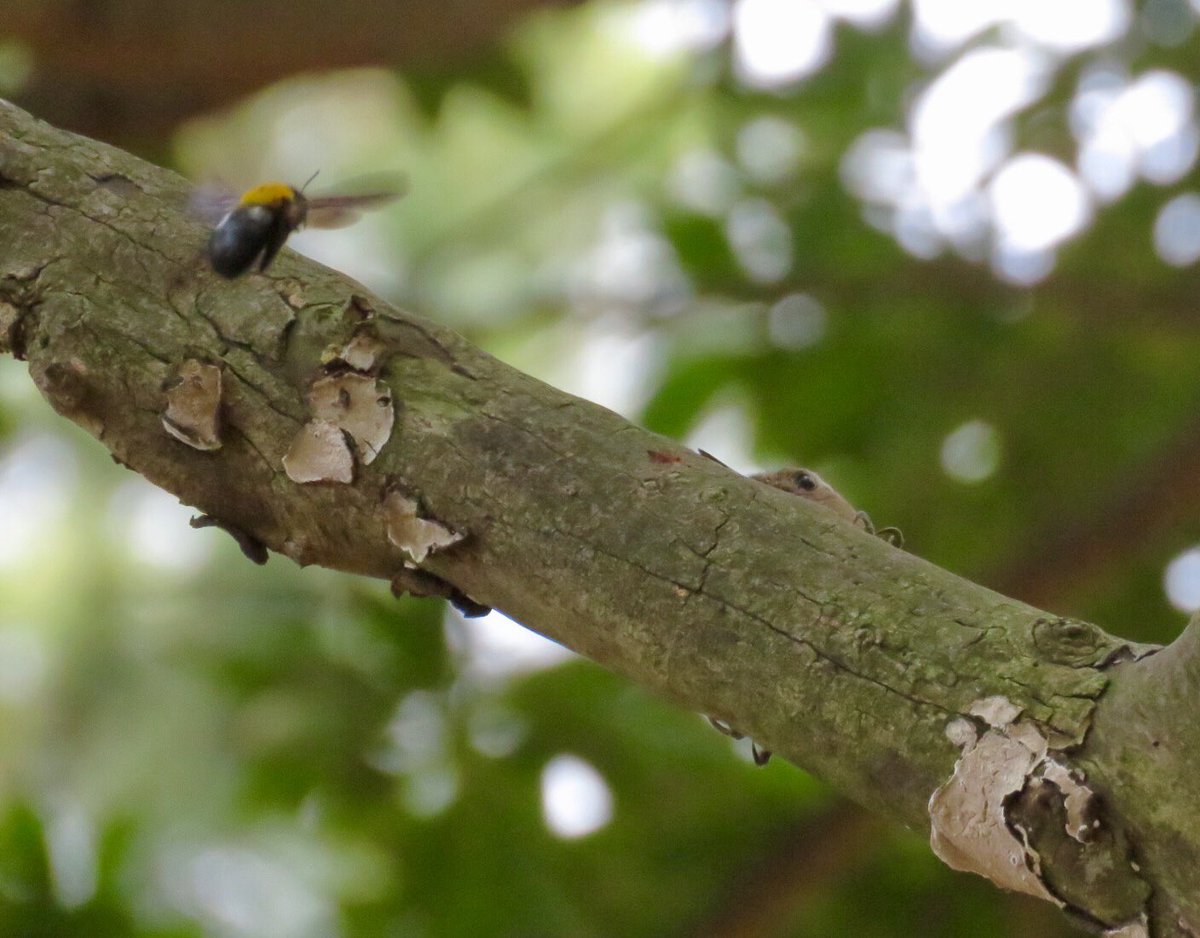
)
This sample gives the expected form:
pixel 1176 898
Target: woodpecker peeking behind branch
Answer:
pixel 807 484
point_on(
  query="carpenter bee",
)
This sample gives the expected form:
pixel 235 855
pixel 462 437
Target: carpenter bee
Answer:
pixel 254 226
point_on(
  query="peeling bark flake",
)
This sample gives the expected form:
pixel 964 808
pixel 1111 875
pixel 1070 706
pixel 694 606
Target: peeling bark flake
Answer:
pixel 997 711
pixel 362 353
pixel 193 414
pixel 1078 800
pixel 961 732
pixel 358 404
pixel 969 829
pixel 319 453
pixel 419 537
pixel 294 297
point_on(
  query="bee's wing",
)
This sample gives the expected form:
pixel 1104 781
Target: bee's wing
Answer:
pixel 337 211
pixel 211 202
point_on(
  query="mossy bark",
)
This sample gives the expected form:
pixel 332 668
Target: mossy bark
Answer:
pixel 832 648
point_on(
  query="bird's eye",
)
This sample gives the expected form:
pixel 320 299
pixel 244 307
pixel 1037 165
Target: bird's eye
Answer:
pixel 805 481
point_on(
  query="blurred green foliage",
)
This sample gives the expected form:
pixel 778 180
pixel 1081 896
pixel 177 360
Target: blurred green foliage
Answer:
pixel 193 746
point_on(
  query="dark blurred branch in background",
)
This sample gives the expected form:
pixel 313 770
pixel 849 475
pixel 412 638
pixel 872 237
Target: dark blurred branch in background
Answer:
pixel 128 71
pixel 777 894
pixel 1076 555
pixel 801 865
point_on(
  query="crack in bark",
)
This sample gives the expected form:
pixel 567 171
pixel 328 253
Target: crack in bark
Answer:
pixel 266 461
pixel 778 630
pixel 119 232
pixel 446 356
pixel 837 663
pixel 102 337
pixel 229 341
pixel 706 556
pixel 269 401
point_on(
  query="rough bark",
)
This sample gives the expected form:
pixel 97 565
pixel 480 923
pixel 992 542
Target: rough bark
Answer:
pixel 1042 752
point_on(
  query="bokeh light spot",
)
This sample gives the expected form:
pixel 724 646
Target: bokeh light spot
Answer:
pixel 1069 26
pixel 23 663
pixel 1144 127
pixel 1037 202
pixel 705 182
pixel 770 148
pixel 760 239
pixel 38 475
pixel 1181 580
pixel 71 844
pixel 1177 230
pixel 247 892
pixel 157 532
pixel 797 321
pixel 971 452
pixel 668 27
pixel 862 13
pixel 777 42
pixel 576 800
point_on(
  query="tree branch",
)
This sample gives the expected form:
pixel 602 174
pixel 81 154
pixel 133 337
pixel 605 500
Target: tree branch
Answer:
pixel 928 698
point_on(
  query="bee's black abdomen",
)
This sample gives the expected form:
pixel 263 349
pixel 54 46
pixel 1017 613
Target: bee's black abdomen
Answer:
pixel 241 237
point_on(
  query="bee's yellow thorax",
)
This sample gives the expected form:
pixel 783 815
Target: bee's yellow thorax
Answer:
pixel 269 193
